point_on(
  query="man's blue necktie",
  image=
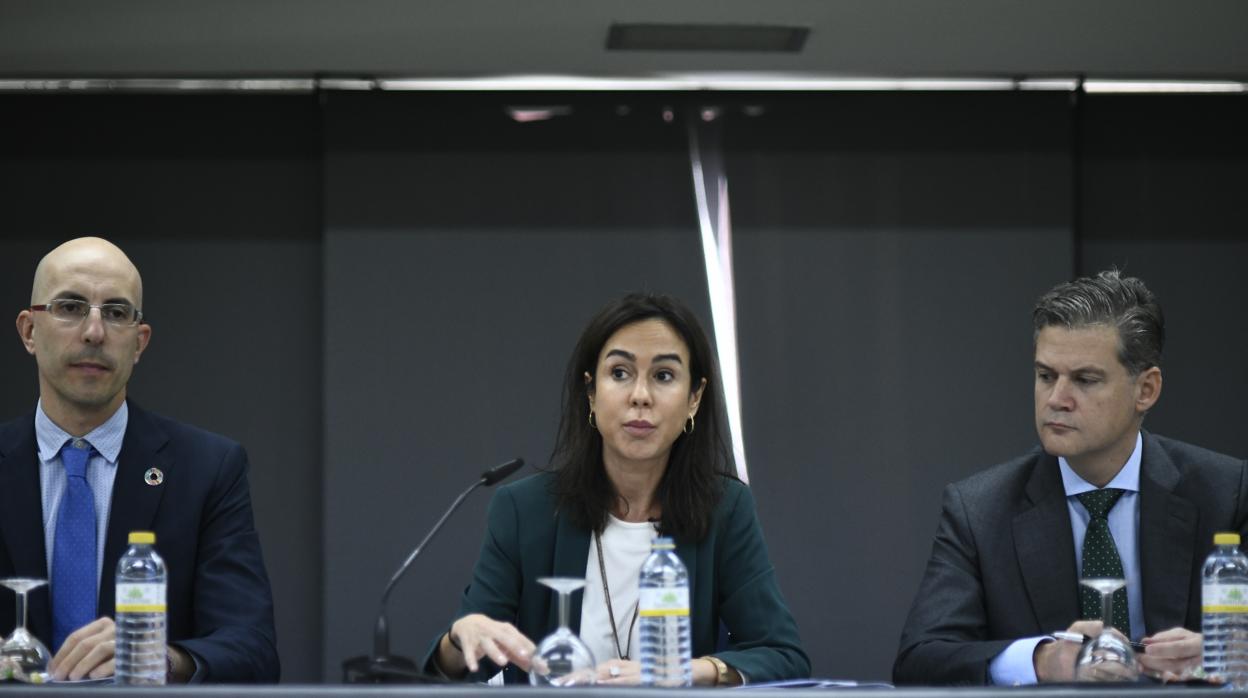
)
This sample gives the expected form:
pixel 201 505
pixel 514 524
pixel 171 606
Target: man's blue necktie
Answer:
pixel 74 583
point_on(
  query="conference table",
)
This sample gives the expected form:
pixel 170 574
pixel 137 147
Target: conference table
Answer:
pixel 464 691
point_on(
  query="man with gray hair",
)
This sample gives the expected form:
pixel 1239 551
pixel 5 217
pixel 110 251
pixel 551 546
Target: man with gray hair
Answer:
pixel 1100 497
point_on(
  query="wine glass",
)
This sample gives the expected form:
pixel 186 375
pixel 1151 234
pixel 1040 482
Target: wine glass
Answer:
pixel 562 659
pixel 22 655
pixel 1108 657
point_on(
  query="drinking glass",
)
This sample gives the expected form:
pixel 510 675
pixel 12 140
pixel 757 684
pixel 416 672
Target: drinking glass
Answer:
pixel 1108 656
pixel 562 659
pixel 23 656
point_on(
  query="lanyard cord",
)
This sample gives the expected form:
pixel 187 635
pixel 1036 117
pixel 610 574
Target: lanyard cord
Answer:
pixel 606 591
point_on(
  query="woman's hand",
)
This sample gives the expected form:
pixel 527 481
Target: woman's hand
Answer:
pixel 477 636
pixel 619 672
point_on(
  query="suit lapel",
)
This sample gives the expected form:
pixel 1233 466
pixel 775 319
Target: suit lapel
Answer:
pixel 21 516
pixel 134 502
pixel 1045 545
pixel 1167 538
pixel 570 558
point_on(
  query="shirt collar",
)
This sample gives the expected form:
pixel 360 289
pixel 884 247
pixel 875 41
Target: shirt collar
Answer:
pixel 1128 478
pixel 106 438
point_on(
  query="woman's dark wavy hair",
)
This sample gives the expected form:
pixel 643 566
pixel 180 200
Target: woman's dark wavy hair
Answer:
pixel 699 461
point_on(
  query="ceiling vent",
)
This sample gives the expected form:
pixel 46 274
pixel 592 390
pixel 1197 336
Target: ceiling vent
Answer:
pixel 706 37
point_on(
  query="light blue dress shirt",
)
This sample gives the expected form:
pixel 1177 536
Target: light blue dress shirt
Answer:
pixel 101 471
pixel 1014 665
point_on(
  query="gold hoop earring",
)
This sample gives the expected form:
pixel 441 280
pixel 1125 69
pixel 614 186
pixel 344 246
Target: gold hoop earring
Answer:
pixel 592 424
pixel 690 426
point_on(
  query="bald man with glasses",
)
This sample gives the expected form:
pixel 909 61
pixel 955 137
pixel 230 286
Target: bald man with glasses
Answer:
pixel 87 467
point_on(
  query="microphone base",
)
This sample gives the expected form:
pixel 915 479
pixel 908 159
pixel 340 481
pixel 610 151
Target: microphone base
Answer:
pixel 366 669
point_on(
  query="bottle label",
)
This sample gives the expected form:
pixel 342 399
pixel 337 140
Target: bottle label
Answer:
pixel 1224 598
pixel 140 598
pixel 664 602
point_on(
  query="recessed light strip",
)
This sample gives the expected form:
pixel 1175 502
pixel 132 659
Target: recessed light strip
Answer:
pixel 693 83
pixel 677 82
pixel 159 85
pixel 1049 84
pixel 788 82
pixel 1163 86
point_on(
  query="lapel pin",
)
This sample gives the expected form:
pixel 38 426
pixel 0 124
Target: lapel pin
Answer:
pixel 153 477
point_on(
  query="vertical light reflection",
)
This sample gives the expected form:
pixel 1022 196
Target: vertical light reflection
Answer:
pixel 710 189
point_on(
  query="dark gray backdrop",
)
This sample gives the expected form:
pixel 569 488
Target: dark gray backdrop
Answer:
pixel 377 294
pixel 463 253
pixel 886 266
pixel 217 200
pixel 1164 185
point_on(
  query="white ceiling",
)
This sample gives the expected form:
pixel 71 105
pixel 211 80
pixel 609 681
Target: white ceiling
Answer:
pixel 897 38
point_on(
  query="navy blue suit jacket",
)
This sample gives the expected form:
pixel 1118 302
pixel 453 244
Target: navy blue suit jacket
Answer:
pixel 220 603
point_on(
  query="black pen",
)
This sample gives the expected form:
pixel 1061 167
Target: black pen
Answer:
pixel 1081 638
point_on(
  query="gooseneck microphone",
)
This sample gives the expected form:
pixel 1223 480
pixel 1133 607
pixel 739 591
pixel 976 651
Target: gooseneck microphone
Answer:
pixel 380 666
pixel 496 475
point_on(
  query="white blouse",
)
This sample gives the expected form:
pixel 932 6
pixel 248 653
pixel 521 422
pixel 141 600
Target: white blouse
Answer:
pixel 625 546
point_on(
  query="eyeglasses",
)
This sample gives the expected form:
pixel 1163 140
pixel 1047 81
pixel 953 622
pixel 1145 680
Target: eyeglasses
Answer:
pixel 72 310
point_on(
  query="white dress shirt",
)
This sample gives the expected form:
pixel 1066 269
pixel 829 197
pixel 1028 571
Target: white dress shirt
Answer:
pixel 625 546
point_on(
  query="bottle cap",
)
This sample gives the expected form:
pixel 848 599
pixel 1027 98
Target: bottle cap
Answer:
pixel 662 543
pixel 137 537
pixel 1226 539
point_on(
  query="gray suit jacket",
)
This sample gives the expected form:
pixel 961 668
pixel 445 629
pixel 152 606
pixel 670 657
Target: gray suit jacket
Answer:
pixel 1003 562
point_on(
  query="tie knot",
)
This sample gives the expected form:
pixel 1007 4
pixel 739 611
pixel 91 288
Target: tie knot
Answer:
pixel 1099 502
pixel 75 454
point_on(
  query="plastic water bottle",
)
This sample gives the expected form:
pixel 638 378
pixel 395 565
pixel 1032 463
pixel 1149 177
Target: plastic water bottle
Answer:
pixel 1224 601
pixel 664 609
pixel 140 648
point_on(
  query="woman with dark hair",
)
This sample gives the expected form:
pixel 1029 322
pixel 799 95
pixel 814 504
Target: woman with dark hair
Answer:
pixel 639 453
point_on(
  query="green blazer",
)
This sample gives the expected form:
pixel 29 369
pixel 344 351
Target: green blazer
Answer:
pixel 731 580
